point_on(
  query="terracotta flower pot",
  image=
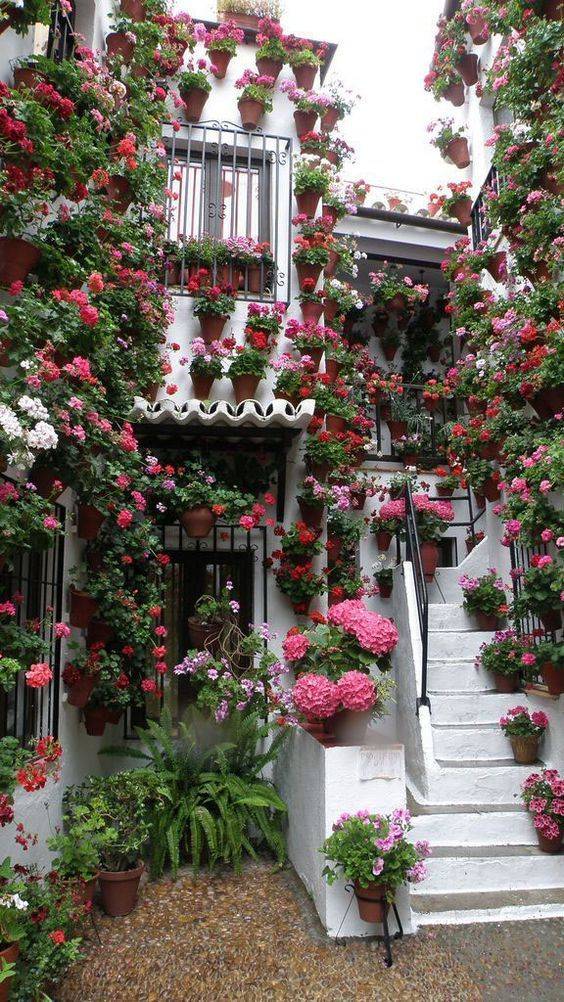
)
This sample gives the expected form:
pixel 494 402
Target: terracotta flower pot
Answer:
pixel 525 748
pixel 444 492
pixel 308 202
pixel 118 890
pixel 242 20
pixel 497 266
pixel 112 716
pixel 467 66
pixel 478 29
pixel 330 309
pixel 202 386
pixel 117 44
pixel 455 93
pixel 551 620
pixel 429 559
pixel 119 193
pixel 211 326
pixel 371 900
pixel 89 521
pixel 383 540
pixel 254 278
pixel 8 955
pixel 305 121
pixel 396 304
pixel 332 368
pixel 83 608
pixel 321 730
pixel 389 351
pixel 99 632
pixel 220 59
pixel 307 272
pixel 305 76
pixel 480 500
pixel 385 590
pixel 486 621
pixel 358 499
pixel 335 424
pixel 312 311
pixel 25 76
pixel 203 636
pixel 79 692
pixel 311 514
pixel 330 119
pixel 245 387
pixel 251 112
pixel 550 844
pixel 396 428
pixel 334 547
pixel 553 678
pixel 431 404
pixel 17 259
pixel 198 522
pixel 506 683
pixel 194 102
pixel 553 10
pixel 95 721
pixel 329 210
pixel 45 480
pixel 331 266
pixel 462 210
pixel 490 490
pixel 315 354
pixel 135 9
pixel 457 151
pixel 270 67
pixel 410 458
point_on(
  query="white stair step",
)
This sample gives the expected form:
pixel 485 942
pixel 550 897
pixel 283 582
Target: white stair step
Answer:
pixel 492 832
pixel 480 784
pixel 450 617
pixel 458 676
pixel 487 708
pixel 489 882
pixel 476 743
pixel 471 916
pixel 456 645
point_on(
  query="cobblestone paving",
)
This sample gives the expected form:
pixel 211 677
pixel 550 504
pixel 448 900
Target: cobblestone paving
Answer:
pixel 257 938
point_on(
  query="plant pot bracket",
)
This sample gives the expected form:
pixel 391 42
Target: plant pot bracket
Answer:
pixel 385 938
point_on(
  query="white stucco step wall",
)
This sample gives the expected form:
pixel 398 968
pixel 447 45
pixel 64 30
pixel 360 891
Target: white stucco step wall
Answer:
pixel 470 709
pixel 458 676
pixel 480 831
pixel 490 881
pixel 456 645
pixel 482 784
pixel 479 743
pixel 448 616
pixel 509 913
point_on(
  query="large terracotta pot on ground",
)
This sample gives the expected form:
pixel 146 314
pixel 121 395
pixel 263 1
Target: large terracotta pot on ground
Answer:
pixel 506 683
pixel 455 94
pixel 194 102
pixel 553 677
pixel 270 67
pixel 457 151
pixel 550 844
pixel 17 259
pixel 211 326
pixel 305 121
pixel 371 900
pixel 83 608
pixel 312 311
pixel 330 119
pixel 551 620
pixel 429 558
pixel 350 726
pixel 311 514
pixel 202 386
pixel 95 721
pixel 305 76
pixel 203 636
pixel 467 66
pixel 478 29
pixel 118 890
pixel 135 9
pixel 307 272
pixel 251 112
pixel 117 44
pixel 79 692
pixel 89 521
pixel 198 522
pixel 245 387
pixel 525 748
pixel 220 59
pixel 8 955
pixel 462 210
pixel 308 202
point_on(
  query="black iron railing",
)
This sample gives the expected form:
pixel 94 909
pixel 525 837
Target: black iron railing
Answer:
pixel 430 423
pixel 61 41
pixel 413 554
pixel 226 183
pixel 481 225
pixel 526 624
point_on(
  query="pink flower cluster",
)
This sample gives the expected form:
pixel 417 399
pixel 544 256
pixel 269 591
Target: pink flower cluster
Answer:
pixel 537 720
pixel 373 632
pixel 295 646
pixel 316 697
pixel 357 691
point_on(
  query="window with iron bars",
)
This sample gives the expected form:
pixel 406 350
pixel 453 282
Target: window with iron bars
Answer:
pixel 36 579
pixel 227 183
pixel 481 225
pixel 61 41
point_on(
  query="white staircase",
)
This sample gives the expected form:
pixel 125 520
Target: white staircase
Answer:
pixel 486 864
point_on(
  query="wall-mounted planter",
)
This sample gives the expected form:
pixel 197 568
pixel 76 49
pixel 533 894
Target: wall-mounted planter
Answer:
pixel 211 326
pixel 478 29
pixel 135 9
pixel 330 119
pixel 270 67
pixel 245 387
pixel 202 386
pixel 89 521
pixel 18 258
pixel 307 272
pixel 305 76
pixel 194 102
pixel 83 608
pixel 455 94
pixel 467 66
pixel 308 202
pixel 198 522
pixel 251 112
pixel 305 121
pixel 457 151
pixel 119 193
pixel 497 266
pixel 462 211
pixel 118 44
pixel 220 59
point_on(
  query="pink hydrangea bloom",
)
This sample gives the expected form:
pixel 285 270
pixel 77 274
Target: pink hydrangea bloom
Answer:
pixel 39 675
pixel 373 632
pixel 295 646
pixel 357 691
pixel 315 696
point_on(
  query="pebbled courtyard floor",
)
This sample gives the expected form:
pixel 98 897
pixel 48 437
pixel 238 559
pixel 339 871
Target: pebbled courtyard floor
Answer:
pixel 257 938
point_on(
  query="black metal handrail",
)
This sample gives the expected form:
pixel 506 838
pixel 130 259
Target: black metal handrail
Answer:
pixel 413 554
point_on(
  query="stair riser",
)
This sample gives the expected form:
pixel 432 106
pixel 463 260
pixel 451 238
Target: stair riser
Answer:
pixel 471 709
pixel 445 646
pixel 495 785
pixel 461 743
pixel 458 678
pixel 450 617
pixel 484 831
pixel 492 874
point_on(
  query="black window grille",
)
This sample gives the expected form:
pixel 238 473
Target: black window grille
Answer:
pixel 481 225
pixel 61 41
pixel 38 578
pixel 430 424
pixel 224 183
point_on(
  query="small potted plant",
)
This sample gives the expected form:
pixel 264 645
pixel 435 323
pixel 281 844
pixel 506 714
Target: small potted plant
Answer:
pixel 311 302
pixel 205 367
pixel 256 97
pixel 271 54
pixel 13 922
pixel 246 370
pixel 312 497
pixel 341 102
pixel 447 482
pixel 485 598
pixel 221 44
pixel 208 618
pixel 433 393
pixel 459 202
pixel 77 848
pixel 389 521
pixel 550 661
pixel 310 257
pixel 383 569
pixel 304 59
pixel 194 88
pixel 213 305
pixel 506 657
pixel 541 591
pixel 311 182
pixel 372 851
pixel 409 447
pixel 542 796
pixel 524 730
pixel 451 142
pixel 309 106
pixel 472 538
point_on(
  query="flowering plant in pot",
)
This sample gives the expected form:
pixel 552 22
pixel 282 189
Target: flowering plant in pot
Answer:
pixel 323 452
pixel 312 499
pixel 299 582
pixel 409 447
pixel 310 339
pixel 472 539
pixel 445 81
pixel 209 616
pixel 340 299
pixel 360 190
pixel 290 376
pixel 311 302
pixel 524 730
pixel 221 44
pixel 304 59
pixel 394 292
pixel 459 202
pixel 194 87
pixel 389 521
pixel 312 179
pixel 13 921
pixel 451 141
pixel 433 392
pixel 344 532
pixel 26 520
pixel 213 305
pixel 506 656
pixel 264 325
pixel 447 482
pixel 246 370
pixel 256 97
pixel 332 400
pixel 541 588
pixel 353 698
pixel 309 106
pixel 485 598
pixel 327 147
pixel 78 847
pixel 310 256
pixel 271 54
pixel 206 366
pixel 339 200
pixel 542 795
pixel 373 851
pixel 248 13
pixel 383 570
pixel 341 102
pixel 550 663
